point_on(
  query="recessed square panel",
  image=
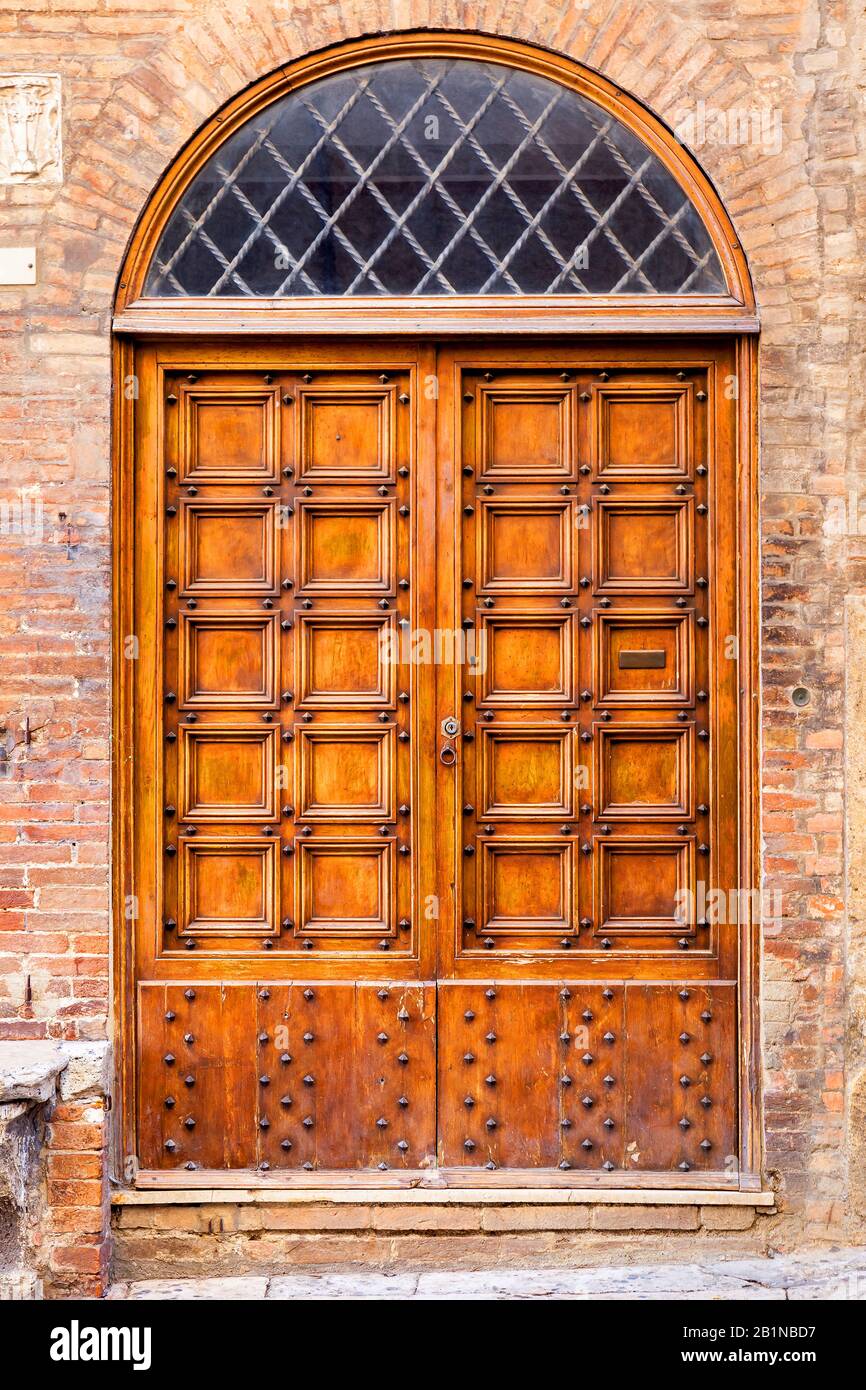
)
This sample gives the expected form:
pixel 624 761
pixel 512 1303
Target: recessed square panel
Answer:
pixel 227 774
pixel 525 886
pixel 525 432
pixel 644 658
pixel 525 772
pixel 227 548
pixel 228 436
pixel 526 658
pixel 642 431
pixel 643 547
pixel 344 774
pixel 228 887
pixel 642 886
pixel 525 547
pixel 228 661
pixel 346 888
pixel 346 660
pixel 346 547
pixel 643 772
pixel 346 434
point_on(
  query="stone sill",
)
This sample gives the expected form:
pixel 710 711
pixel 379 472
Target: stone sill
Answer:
pixel 453 1196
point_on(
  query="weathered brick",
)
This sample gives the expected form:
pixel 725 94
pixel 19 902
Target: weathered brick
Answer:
pixel 727 1218
pixel 535 1218
pixel 640 1218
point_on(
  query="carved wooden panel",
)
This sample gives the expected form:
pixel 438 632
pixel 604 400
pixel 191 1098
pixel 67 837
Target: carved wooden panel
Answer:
pixel 641 431
pixel 345 773
pixel 347 433
pixel 644 546
pixel 228 661
pixel 525 885
pixel 525 547
pixel 644 658
pixel 643 772
pixel 528 659
pixel 227 774
pixel 525 431
pixel 228 548
pixel 525 772
pixel 346 887
pixel 228 435
pixel 346 548
pixel 640 883
pixel 343 661
pixel 227 887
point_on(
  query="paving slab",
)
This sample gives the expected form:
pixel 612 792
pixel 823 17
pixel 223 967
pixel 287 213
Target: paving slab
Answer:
pixel 827 1275
pixel 241 1288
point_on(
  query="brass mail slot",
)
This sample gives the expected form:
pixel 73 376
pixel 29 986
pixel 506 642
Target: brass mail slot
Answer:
pixel 640 660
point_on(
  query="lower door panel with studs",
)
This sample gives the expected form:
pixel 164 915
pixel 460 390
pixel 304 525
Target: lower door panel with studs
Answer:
pixel 435 738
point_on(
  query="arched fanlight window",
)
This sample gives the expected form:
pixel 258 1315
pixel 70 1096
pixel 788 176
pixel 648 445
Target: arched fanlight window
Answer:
pixel 434 176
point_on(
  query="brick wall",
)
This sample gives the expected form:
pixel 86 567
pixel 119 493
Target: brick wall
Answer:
pixel 73 1241
pixel 163 1239
pixel 138 78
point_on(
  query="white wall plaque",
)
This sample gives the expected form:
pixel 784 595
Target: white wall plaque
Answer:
pixel 17 265
pixel 30 128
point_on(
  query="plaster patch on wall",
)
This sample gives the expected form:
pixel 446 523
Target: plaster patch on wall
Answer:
pixel 30 128
pixel 855 767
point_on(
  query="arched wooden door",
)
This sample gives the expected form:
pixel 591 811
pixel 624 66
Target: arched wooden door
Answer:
pixel 437 797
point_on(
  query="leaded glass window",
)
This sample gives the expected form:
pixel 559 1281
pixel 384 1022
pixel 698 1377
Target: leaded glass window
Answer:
pixel 434 177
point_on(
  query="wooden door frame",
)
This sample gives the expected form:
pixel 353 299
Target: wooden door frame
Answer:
pixel 575 318
pixel 123 885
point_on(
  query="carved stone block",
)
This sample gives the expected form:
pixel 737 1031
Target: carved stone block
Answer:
pixel 30 128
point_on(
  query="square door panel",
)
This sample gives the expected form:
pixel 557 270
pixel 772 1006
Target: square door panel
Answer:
pixel 527 659
pixel 641 883
pixel 525 432
pixel 228 887
pixel 227 548
pixel 227 774
pixel 643 546
pixel 525 547
pixel 346 548
pixel 228 661
pixel 346 888
pixel 644 658
pixel 344 774
pixel 346 434
pixel 643 772
pixel 526 772
pixel 229 436
pixel 525 886
pixel 641 431
pixel 346 661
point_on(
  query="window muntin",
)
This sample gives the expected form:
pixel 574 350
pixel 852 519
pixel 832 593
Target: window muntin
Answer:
pixel 434 176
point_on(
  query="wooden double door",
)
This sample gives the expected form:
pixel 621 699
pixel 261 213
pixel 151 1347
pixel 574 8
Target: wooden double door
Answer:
pixel 434 729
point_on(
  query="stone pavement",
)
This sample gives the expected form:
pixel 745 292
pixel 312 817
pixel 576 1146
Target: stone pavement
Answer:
pixel 817 1274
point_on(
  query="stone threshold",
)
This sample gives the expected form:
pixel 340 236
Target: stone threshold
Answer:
pixel 452 1196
